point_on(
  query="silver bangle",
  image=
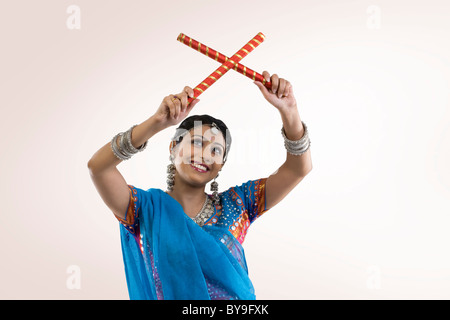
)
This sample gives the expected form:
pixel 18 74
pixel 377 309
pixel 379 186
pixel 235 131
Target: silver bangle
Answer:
pixel 116 149
pixel 295 142
pixel 124 150
pixel 130 146
pixel 123 147
pixel 298 152
pixel 300 146
pixel 297 147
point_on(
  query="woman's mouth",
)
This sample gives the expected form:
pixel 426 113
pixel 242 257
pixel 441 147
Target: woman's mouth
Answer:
pixel 199 167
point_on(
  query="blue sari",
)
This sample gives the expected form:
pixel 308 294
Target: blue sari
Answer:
pixel 168 256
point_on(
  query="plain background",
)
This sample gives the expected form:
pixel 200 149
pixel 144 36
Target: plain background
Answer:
pixel 371 79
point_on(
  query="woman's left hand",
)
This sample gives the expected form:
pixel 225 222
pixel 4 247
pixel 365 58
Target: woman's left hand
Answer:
pixel 281 96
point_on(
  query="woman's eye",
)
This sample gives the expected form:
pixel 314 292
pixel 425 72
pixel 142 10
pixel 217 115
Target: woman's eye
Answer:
pixel 199 143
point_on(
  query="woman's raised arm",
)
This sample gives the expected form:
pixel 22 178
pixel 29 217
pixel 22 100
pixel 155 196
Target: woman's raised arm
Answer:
pixel 107 179
pixel 296 167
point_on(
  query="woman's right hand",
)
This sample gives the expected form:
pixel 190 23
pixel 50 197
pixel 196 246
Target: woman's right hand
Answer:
pixel 174 108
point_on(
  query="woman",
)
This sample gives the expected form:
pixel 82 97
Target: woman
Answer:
pixel 183 243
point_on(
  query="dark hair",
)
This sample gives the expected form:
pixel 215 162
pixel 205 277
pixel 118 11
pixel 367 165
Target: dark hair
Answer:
pixel 190 122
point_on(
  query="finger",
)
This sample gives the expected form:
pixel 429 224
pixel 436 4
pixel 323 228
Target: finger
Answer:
pixel 262 88
pixel 274 80
pixel 184 100
pixel 281 87
pixel 189 91
pixel 171 106
pixel 288 89
pixel 266 75
pixel 192 104
pixel 177 104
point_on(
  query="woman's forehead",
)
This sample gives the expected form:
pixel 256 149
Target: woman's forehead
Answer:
pixel 209 133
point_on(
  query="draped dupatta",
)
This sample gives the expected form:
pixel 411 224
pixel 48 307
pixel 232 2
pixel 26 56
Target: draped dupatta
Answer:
pixel 168 256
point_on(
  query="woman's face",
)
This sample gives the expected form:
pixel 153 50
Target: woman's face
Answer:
pixel 199 156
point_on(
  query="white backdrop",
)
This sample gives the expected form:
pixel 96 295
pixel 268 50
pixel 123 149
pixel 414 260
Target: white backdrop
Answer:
pixel 371 79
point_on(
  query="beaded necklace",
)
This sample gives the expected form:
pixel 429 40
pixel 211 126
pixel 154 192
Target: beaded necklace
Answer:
pixel 205 213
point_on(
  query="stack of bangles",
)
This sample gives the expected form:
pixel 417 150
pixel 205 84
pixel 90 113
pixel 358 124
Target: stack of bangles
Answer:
pixel 298 147
pixel 124 150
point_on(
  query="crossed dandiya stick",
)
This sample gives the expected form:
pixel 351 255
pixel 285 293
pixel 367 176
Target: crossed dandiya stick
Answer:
pixel 227 63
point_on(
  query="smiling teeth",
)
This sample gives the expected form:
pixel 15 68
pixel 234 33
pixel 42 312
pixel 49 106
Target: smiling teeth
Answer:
pixel 199 167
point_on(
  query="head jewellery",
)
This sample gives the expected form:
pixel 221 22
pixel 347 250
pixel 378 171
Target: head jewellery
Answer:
pixel 191 122
pixel 215 129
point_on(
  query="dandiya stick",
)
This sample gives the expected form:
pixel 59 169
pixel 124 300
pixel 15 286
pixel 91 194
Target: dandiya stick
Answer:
pixel 227 65
pixel 213 54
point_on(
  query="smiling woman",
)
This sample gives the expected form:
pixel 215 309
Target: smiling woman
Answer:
pixel 200 145
pixel 184 243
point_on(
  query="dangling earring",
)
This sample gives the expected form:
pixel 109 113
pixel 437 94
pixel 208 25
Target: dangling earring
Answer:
pixel 214 189
pixel 171 174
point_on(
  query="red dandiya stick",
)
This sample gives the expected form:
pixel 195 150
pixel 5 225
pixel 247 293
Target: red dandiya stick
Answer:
pixel 213 54
pixel 227 65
